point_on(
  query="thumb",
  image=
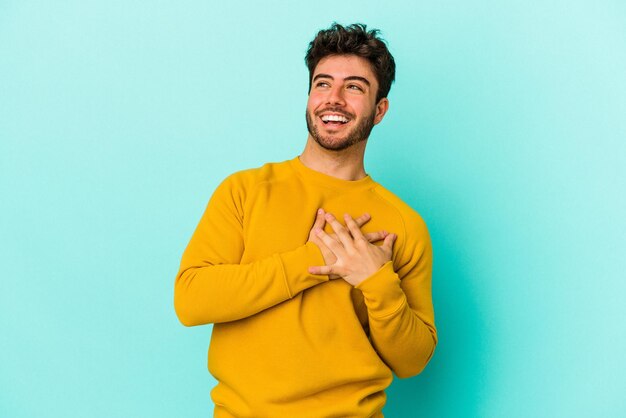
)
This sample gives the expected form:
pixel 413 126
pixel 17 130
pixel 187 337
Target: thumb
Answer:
pixel 321 270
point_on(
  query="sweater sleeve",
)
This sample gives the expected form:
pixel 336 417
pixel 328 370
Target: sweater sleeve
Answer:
pixel 400 310
pixel 212 286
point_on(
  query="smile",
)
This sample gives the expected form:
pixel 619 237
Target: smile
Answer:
pixel 334 119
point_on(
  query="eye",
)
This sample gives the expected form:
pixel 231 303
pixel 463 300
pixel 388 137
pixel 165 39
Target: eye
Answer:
pixel 322 84
pixel 355 87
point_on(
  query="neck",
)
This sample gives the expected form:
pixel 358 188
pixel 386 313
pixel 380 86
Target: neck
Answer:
pixel 345 164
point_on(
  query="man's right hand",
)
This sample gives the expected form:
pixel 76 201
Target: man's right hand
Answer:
pixel 329 256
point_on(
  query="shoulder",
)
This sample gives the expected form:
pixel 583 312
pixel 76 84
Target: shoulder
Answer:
pixel 413 248
pixel 245 180
pixel 411 219
pixel 242 184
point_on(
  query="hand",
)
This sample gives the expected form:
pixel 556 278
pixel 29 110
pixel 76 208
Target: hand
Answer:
pixel 329 256
pixel 356 258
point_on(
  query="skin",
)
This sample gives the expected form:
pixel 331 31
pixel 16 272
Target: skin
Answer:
pixel 344 85
pixel 348 253
pixel 338 88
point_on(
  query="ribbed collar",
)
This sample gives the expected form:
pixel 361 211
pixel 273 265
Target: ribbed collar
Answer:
pixel 329 181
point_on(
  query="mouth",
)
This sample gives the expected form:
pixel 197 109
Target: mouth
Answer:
pixel 334 119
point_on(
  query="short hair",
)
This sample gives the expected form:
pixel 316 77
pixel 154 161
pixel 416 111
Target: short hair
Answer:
pixel 356 40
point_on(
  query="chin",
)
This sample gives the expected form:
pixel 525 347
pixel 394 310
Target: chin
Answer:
pixel 334 145
pixel 350 138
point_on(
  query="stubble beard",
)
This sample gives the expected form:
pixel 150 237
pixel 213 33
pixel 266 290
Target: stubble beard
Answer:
pixel 358 134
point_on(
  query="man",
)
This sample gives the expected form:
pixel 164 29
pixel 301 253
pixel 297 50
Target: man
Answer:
pixel 314 303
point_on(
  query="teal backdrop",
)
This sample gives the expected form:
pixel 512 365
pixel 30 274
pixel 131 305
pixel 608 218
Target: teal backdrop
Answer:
pixel 506 132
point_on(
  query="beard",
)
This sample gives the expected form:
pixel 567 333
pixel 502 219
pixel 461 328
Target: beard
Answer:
pixel 357 134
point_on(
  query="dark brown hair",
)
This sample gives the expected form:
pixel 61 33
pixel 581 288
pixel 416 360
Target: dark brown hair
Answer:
pixel 356 40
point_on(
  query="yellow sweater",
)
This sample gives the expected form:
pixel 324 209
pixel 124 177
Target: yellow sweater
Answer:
pixel 287 343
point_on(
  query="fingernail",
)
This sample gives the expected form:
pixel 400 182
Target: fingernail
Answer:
pixel 320 211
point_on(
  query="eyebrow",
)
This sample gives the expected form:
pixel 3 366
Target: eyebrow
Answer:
pixel 352 77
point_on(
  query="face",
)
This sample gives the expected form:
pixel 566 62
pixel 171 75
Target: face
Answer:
pixel 341 109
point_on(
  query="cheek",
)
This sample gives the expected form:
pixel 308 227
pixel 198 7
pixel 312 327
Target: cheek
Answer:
pixel 360 104
pixel 358 109
pixel 311 107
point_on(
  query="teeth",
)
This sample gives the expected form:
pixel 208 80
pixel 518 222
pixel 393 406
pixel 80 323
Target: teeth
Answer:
pixel 334 118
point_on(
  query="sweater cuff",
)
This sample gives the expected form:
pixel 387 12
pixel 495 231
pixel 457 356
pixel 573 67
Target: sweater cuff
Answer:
pixel 296 265
pixel 382 292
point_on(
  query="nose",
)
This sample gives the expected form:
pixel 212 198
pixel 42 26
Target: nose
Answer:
pixel 335 96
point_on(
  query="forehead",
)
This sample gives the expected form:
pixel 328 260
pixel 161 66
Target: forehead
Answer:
pixel 343 66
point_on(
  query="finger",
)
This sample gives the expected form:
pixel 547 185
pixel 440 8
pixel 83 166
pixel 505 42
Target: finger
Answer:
pixel 342 233
pixel 320 270
pixel 376 236
pixel 335 247
pixel 333 271
pixel 363 219
pixel 388 243
pixel 353 227
pixel 334 236
pixel 319 219
pixel 320 244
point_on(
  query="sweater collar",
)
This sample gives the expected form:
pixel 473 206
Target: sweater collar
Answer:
pixel 330 181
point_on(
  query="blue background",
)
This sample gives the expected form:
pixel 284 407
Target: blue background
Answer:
pixel 506 132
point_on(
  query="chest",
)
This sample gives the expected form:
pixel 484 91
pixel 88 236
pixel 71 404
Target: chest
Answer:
pixel 280 218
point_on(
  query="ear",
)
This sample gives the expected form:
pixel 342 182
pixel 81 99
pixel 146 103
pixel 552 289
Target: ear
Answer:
pixel 381 109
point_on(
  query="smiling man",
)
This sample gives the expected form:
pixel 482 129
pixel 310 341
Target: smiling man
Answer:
pixel 337 120
pixel 317 279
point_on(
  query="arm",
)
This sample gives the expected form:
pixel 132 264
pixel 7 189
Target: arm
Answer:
pixel 399 303
pixel 212 286
pixel 400 311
